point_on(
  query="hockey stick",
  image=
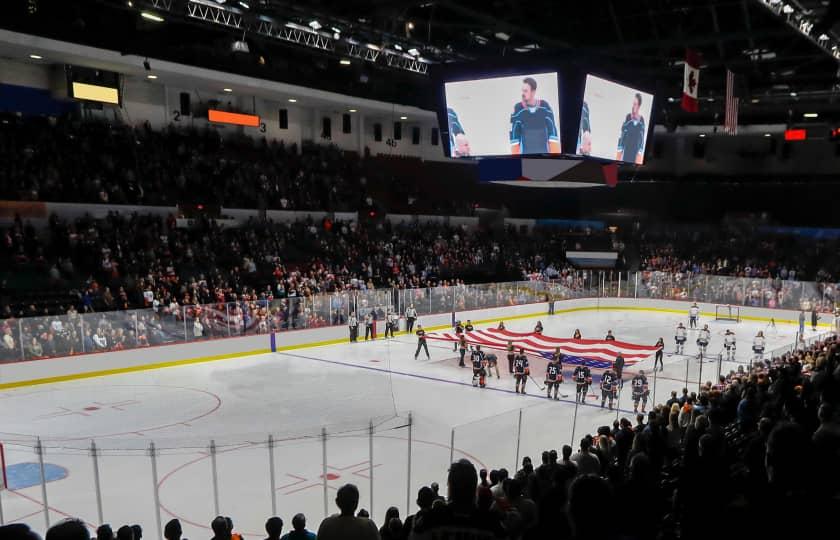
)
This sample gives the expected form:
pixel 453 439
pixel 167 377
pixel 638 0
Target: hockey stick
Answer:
pixel 535 382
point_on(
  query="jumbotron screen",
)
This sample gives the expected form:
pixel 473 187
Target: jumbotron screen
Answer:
pixel 504 116
pixel 614 121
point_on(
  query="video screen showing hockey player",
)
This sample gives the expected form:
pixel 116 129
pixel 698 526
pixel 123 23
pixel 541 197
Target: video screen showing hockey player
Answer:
pixel 516 115
pixel 614 121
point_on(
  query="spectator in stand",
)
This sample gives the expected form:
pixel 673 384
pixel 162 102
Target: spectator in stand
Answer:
pixel 586 461
pixel 273 528
pixel 172 530
pixel 299 531
pixel 345 525
pixel 460 515
pixel 68 529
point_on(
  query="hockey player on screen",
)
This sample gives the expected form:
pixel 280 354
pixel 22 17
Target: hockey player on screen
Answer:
pixel 609 387
pixel 729 344
pixel 521 370
pixel 532 126
pixel 680 338
pixel 584 146
pixel 458 142
pixel 693 314
pixel 758 345
pixel 631 143
pixel 583 378
pixel 703 339
pixel 640 390
pixel 554 374
pixel 478 365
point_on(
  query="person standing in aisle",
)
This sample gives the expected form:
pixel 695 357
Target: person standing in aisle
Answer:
pixel 410 317
pixel 814 319
pixel 353 323
pixel 421 342
pixel 657 361
pixel 369 327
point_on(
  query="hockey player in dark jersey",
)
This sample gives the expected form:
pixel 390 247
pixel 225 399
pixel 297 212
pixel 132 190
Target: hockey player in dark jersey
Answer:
pixel 532 126
pixel 631 143
pixel 640 390
pixel 458 143
pixel 478 365
pixel 521 370
pixel 609 387
pixel 469 326
pixel 554 374
pixel 583 378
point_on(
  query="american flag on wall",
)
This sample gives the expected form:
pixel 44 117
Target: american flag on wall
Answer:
pixel 730 123
pixel 596 353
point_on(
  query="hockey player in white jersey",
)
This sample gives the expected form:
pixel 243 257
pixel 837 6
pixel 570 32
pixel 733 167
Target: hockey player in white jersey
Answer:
pixel 693 315
pixel 729 345
pixel 703 339
pixel 758 345
pixel 680 338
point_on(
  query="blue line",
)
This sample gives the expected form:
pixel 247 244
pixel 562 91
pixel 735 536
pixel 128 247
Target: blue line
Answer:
pixel 437 379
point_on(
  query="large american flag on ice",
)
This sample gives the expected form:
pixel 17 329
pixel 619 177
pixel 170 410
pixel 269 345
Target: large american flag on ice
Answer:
pixel 596 353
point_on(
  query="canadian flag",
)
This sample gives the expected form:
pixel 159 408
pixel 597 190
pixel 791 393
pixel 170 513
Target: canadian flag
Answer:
pixel 691 80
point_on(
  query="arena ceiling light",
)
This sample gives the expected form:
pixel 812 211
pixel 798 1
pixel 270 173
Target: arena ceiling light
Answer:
pixel 228 89
pixel 315 25
pixel 344 62
pixel 151 16
pixel 244 5
pixel 811 115
pixel 36 57
pixel 351 110
pixel 403 118
pixel 151 76
pixel 413 52
pixel 292 100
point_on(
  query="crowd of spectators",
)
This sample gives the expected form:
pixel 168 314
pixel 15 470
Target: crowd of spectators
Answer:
pixel 752 456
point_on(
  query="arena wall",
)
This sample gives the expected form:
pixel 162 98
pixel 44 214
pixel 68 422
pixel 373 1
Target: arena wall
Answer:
pixel 111 363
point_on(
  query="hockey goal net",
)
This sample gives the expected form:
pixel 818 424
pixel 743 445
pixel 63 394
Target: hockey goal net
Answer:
pixel 725 312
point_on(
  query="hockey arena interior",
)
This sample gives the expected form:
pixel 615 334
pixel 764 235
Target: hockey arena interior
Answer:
pixel 419 270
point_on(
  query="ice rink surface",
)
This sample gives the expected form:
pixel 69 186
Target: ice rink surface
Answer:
pixel 293 396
